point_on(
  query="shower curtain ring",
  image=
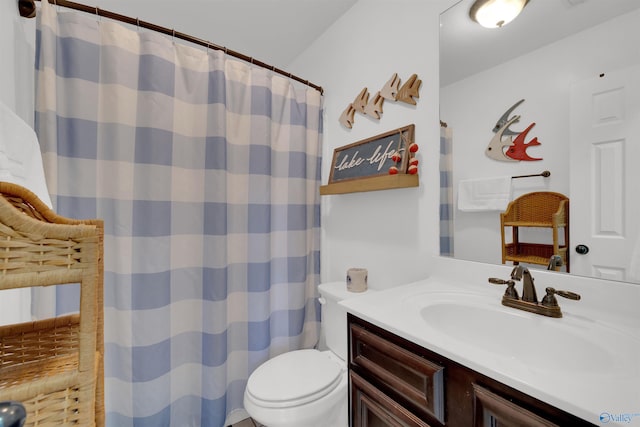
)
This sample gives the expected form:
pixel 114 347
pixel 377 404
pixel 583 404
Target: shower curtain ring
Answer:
pixel 138 23
pixel 173 37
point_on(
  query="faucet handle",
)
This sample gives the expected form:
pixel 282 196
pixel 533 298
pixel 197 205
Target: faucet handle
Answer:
pixel 554 262
pixel 568 294
pixel 549 300
pixel 511 291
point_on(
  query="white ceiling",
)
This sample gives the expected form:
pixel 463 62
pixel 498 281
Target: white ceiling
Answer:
pixel 540 23
pixel 272 31
pixel 277 31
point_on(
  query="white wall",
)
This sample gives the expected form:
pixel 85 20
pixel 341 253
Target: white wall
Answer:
pixel 17 53
pixel 392 233
pixel 543 78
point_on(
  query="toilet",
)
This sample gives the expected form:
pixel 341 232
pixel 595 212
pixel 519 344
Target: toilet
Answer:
pixel 306 387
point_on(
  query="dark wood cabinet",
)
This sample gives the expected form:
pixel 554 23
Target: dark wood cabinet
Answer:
pixel 407 377
pixel 494 410
pixel 373 408
pixel 394 382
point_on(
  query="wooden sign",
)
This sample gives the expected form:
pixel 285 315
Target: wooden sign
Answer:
pixel 373 156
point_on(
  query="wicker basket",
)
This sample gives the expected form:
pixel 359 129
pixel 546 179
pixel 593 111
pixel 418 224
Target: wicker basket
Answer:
pixel 53 366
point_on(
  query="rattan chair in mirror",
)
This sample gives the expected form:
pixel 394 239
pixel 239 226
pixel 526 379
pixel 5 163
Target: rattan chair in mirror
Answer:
pixel 542 209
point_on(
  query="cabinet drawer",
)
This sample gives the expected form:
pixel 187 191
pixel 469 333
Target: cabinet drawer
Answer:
pixel 371 407
pixel 492 409
pixel 405 375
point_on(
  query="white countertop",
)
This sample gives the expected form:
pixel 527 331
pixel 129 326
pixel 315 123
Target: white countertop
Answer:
pixel 607 391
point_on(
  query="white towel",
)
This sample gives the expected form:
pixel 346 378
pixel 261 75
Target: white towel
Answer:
pixel 484 194
pixel 20 157
pixel 21 163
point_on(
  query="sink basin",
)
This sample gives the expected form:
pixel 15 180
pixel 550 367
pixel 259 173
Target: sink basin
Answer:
pixel 533 342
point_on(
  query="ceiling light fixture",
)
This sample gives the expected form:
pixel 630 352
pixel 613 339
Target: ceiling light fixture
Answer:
pixel 496 13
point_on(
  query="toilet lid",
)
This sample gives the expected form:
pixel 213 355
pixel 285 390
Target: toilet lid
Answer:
pixel 294 378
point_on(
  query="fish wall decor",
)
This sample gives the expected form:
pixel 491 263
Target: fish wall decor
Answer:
pixel 372 106
pixel 503 146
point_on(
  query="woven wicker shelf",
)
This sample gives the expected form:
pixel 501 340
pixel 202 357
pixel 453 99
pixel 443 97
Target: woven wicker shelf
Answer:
pixel 532 253
pixel 53 366
pixel 542 209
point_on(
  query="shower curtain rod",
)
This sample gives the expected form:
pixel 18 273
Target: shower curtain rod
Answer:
pixel 27 9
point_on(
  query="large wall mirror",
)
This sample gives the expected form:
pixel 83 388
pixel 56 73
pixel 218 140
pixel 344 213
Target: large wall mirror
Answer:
pixel 576 66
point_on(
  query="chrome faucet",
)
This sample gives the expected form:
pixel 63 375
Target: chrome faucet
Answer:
pixel 529 301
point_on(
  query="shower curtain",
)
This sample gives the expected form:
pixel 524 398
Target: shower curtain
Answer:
pixel 446 191
pixel 206 173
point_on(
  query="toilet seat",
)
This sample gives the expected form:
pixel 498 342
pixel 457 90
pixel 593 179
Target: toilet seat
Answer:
pixel 294 378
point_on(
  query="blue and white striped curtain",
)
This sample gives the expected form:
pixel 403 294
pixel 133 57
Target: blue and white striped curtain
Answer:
pixel 446 191
pixel 206 172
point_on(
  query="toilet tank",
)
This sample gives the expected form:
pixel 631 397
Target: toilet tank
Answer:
pixel 334 316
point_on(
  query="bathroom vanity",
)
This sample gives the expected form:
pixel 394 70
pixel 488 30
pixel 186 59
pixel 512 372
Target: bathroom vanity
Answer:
pixel 445 352
pixel 394 382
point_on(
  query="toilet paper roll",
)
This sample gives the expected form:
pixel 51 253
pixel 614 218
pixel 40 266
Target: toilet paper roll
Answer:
pixel 357 279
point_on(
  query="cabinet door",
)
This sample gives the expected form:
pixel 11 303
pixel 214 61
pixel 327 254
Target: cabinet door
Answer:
pixel 409 378
pixel 372 408
pixel 493 410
